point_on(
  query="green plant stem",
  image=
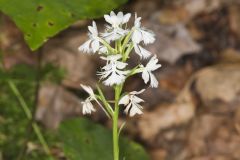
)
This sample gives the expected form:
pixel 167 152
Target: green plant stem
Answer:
pixel 105 103
pixel 118 90
pixel 108 46
pixel 127 52
pixel 28 113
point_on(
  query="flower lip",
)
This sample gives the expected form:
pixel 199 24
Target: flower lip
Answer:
pixel 113 72
pixel 87 107
pixel 131 101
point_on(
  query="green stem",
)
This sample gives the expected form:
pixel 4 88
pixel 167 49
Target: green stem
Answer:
pixel 104 101
pixel 126 40
pixel 127 52
pixel 118 90
pixel 28 113
pixel 108 46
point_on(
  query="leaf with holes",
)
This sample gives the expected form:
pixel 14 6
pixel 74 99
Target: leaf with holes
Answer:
pixel 85 140
pixel 42 19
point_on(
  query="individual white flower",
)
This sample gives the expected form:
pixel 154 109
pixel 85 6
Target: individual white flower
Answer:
pixel 117 20
pixel 132 102
pixel 147 74
pixel 93 44
pixel 113 71
pixel 87 104
pixel 115 31
pixel 87 107
pixel 141 34
pixel 143 53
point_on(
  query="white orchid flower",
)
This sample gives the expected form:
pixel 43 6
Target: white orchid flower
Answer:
pixel 113 71
pixel 147 74
pixel 115 31
pixel 141 34
pixel 117 20
pixel 87 104
pixel 93 44
pixel 87 107
pixel 132 102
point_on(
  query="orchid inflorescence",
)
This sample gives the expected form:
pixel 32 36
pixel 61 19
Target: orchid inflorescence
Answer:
pixel 115 72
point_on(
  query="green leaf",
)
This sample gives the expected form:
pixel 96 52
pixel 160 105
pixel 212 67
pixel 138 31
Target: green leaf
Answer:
pixel 85 140
pixel 42 19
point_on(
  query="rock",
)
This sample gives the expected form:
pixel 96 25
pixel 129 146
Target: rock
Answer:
pixel 208 123
pixel 213 136
pixel 163 117
pixel 56 104
pixel 220 82
pixel 172 42
pixel 63 52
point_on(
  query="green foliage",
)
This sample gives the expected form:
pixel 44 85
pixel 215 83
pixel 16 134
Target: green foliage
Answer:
pixel 14 125
pixel 84 140
pixel 42 19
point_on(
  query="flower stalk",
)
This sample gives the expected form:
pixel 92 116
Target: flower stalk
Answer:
pixel 115 72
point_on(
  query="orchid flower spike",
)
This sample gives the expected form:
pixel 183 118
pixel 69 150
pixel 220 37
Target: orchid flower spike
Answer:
pixel 113 72
pixel 93 44
pixel 147 74
pixel 132 102
pixel 115 46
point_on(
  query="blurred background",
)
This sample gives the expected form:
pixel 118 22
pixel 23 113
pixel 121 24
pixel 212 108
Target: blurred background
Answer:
pixel 194 114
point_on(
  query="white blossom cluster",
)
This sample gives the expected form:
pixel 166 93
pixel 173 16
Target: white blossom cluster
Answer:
pixel 115 71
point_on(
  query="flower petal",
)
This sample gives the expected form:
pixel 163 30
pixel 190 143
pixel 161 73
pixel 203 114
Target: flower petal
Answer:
pixel 136 36
pixel 85 47
pixel 88 89
pixel 124 100
pixel 154 82
pixel 145 76
pixel 136 109
pixel 108 19
pixel 147 36
pixel 126 18
pixel 95 45
pixel 87 107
